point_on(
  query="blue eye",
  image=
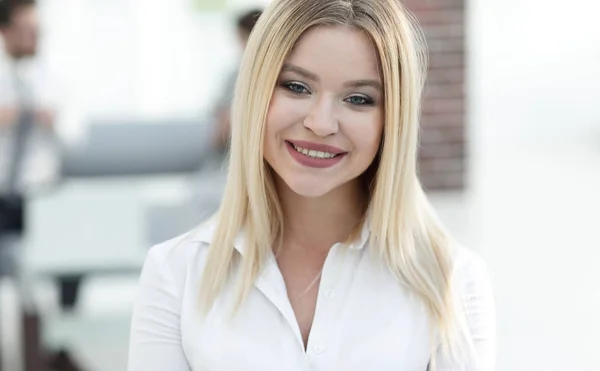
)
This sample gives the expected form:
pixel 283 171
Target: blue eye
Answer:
pixel 359 100
pixel 295 87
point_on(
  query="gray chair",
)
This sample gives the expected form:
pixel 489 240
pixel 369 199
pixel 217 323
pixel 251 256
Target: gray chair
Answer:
pixel 137 147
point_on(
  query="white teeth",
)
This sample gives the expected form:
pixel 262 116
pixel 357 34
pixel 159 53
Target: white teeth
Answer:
pixel 312 153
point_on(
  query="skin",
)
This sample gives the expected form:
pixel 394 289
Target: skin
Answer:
pixel 21 36
pixel 317 100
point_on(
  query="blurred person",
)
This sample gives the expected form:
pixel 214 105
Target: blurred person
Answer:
pixel 244 25
pixel 325 253
pixel 209 180
pixel 29 158
pixel 28 155
pixel 28 152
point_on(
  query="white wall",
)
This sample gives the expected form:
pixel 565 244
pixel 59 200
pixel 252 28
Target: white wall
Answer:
pixel 535 137
pixel 140 58
pixel 540 58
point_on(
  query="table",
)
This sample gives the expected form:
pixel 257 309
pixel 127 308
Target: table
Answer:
pixel 105 226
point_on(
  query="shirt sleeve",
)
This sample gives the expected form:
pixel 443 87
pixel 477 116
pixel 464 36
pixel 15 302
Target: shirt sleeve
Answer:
pixel 477 298
pixel 155 340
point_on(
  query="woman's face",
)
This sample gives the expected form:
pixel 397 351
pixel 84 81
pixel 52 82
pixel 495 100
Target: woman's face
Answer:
pixel 325 120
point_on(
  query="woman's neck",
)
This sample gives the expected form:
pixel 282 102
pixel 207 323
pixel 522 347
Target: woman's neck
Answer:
pixel 320 222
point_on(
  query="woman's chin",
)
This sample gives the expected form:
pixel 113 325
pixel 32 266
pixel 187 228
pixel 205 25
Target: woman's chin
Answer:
pixel 305 188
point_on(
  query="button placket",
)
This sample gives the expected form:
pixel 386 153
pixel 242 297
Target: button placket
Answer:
pixel 318 348
pixel 329 293
pixel 319 331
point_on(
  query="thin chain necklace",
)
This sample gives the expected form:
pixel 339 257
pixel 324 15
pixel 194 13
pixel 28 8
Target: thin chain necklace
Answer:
pixel 312 282
pixel 310 285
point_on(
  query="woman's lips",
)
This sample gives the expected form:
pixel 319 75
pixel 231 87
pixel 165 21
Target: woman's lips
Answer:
pixel 319 156
pixel 317 146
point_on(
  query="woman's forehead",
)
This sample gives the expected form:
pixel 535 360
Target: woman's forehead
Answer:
pixel 339 50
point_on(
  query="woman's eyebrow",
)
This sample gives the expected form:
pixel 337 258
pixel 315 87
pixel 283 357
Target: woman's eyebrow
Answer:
pixel 367 82
pixel 301 71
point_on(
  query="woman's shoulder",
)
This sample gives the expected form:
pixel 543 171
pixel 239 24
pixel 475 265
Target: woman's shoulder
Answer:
pixel 174 258
pixel 468 262
pixel 474 296
pixel 472 281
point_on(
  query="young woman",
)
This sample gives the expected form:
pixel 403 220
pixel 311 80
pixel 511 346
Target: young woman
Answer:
pixel 325 254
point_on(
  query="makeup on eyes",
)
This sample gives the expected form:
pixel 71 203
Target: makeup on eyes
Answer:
pixel 299 88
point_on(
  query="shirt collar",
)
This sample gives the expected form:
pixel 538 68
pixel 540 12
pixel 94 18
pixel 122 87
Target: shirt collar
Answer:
pixel 205 233
pixel 364 235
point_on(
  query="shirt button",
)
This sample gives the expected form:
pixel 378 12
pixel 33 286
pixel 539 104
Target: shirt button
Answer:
pixel 318 348
pixel 329 294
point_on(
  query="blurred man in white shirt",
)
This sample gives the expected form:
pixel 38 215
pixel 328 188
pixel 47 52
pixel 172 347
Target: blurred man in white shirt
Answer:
pixel 28 149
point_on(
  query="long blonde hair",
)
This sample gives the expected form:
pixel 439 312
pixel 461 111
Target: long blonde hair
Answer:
pixel 404 230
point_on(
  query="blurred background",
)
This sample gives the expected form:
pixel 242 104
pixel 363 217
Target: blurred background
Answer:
pixel 125 104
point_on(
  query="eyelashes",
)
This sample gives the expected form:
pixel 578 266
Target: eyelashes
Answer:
pixel 359 100
pixel 298 88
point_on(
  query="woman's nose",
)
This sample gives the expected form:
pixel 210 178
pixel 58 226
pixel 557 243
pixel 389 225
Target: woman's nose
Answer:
pixel 321 119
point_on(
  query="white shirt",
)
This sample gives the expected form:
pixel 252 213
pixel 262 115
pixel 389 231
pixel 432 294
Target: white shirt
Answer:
pixel 364 319
pixel 41 163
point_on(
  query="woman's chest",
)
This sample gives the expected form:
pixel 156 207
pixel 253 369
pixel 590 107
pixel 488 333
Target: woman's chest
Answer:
pixel 354 328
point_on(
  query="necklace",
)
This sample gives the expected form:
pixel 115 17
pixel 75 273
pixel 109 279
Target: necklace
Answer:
pixel 310 285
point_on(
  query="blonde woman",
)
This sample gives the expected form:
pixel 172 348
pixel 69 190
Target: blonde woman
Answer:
pixel 325 254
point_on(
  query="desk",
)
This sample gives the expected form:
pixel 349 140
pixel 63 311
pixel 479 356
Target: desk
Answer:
pixel 90 225
pixel 100 226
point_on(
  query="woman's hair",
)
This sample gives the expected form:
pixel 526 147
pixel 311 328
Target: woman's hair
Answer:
pixel 405 232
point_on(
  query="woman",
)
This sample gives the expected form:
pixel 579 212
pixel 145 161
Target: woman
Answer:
pixel 325 253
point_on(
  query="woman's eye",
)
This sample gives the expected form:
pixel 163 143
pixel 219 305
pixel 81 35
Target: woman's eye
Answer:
pixel 359 100
pixel 295 87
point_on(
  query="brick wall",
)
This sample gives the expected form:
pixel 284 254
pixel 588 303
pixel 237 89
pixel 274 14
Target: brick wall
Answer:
pixel 442 155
